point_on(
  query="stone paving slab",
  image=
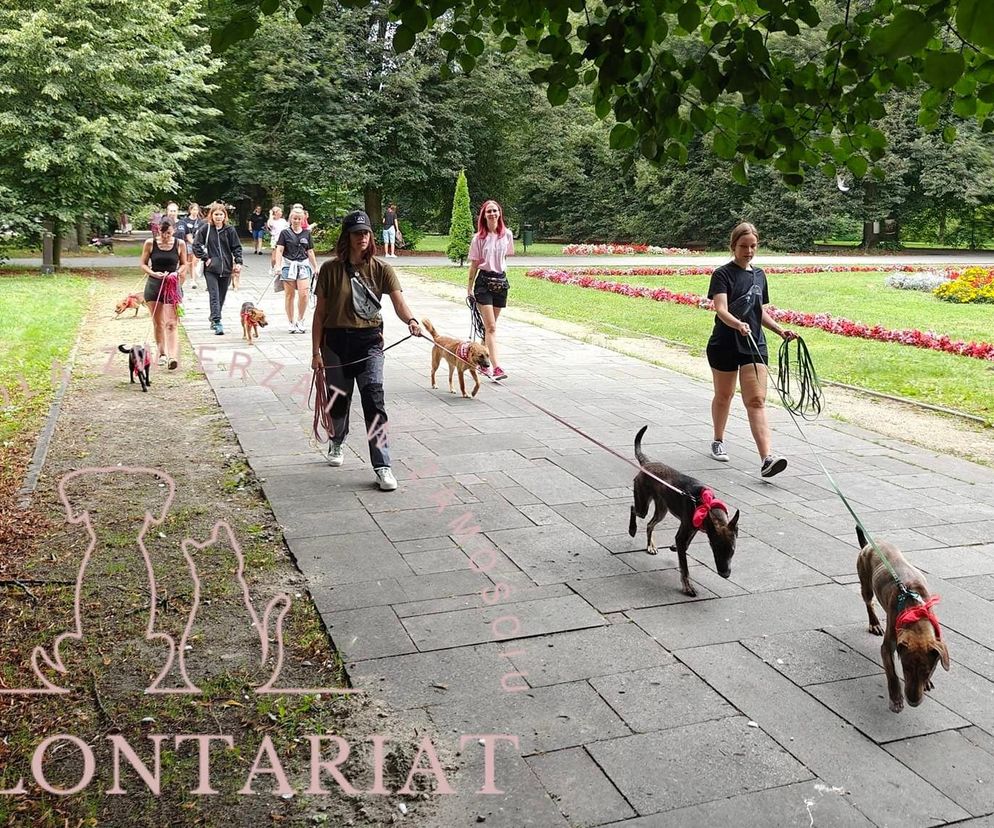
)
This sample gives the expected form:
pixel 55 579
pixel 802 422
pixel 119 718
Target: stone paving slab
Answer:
pixel 687 765
pixel 446 610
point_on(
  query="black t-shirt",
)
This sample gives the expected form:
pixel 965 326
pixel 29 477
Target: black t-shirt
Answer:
pixel 257 221
pixel 739 285
pixel 188 227
pixel 295 245
pixel 390 219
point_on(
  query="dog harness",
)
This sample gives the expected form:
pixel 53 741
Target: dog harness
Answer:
pixel 463 351
pixel 707 502
pixel 922 610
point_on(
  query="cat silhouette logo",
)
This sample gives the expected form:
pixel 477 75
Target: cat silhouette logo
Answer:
pixel 268 624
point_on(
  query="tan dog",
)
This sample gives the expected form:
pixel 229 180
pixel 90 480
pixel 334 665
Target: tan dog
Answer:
pixel 134 300
pixel 253 318
pixel 912 628
pixel 464 356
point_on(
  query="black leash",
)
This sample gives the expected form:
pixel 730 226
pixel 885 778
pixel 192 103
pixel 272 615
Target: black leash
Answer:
pixel 476 329
pixel 809 400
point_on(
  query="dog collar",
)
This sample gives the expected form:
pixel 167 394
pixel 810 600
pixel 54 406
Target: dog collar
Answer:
pixel 463 351
pixel 907 617
pixel 707 502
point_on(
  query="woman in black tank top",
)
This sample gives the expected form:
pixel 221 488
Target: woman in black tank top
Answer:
pixel 161 257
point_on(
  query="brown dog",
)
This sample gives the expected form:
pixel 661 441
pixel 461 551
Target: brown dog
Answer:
pixel 253 318
pixel 693 503
pixel 912 628
pixel 134 300
pixel 464 356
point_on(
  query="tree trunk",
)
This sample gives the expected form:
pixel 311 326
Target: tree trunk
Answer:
pixel 870 235
pixel 57 243
pixel 47 246
pixel 373 200
pixel 942 226
pixel 82 231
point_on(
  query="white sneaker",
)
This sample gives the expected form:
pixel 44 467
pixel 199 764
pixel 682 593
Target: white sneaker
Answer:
pixel 718 451
pixel 292 328
pixel 336 456
pixel 300 327
pixel 384 476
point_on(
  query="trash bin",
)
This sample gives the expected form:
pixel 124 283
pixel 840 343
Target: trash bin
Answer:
pixel 527 236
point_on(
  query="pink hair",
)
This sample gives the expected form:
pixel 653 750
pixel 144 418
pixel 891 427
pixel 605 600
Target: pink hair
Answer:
pixel 481 223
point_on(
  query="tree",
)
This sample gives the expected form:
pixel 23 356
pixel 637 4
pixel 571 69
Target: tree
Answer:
pixel 99 103
pixel 461 229
pixel 670 69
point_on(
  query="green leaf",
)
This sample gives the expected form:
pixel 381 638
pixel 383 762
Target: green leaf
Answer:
pixel 508 43
pixel 943 69
pixel 975 22
pixel 740 172
pixel 965 107
pixel 449 41
pixel 557 94
pixel 689 16
pixel 723 12
pixel 403 39
pixel 269 6
pixel 622 137
pixel 415 18
pixel 602 108
pixel 949 134
pixel 467 62
pixel 475 45
pixel 857 165
pixel 725 146
pixel 905 35
pixel 304 16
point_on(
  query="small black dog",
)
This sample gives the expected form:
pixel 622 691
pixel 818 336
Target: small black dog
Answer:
pixel 139 362
pixel 692 502
pixel 103 244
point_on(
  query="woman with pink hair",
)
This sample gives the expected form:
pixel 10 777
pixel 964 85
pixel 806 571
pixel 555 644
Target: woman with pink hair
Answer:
pixel 492 243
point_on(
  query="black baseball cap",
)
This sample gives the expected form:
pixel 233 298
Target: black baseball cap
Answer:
pixel 356 221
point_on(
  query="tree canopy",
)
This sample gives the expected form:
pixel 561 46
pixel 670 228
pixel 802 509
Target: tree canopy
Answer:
pixel 669 70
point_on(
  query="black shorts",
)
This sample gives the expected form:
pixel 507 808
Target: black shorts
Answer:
pixel 485 296
pixel 721 358
pixel 153 289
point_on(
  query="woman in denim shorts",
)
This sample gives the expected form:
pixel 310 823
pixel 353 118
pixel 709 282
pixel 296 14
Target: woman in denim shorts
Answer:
pixel 492 243
pixel 296 263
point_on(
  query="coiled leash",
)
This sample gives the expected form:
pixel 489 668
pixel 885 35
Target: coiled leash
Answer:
pixel 809 401
pixel 476 329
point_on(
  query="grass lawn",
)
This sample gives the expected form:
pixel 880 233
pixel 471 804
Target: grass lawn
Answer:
pixel 39 316
pixel 929 376
pixel 120 249
pixel 438 244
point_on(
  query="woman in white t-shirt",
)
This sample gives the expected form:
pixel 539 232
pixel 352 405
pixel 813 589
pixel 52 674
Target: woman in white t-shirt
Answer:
pixel 492 243
pixel 276 225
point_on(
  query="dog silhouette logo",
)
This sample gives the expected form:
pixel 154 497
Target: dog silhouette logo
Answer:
pixel 267 625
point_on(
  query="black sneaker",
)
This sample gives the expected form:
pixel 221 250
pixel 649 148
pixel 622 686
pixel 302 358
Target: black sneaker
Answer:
pixel 773 465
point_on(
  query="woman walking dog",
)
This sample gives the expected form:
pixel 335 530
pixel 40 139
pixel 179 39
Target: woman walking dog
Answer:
pixel 488 286
pixel 163 260
pixel 737 347
pixel 347 339
pixel 218 247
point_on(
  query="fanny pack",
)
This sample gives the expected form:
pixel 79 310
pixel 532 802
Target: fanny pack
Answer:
pixel 364 301
pixel 495 282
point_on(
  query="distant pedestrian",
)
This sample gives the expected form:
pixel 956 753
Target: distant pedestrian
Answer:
pixel 276 224
pixel 306 223
pixel 257 227
pixel 163 260
pixel 218 247
pixel 296 263
pixel 347 339
pixel 186 230
pixel 492 243
pixel 390 232
pixel 737 347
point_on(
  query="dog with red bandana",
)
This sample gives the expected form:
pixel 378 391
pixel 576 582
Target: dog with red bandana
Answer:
pixel 462 356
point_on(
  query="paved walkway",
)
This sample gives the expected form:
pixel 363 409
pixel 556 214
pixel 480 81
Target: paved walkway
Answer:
pixel 761 703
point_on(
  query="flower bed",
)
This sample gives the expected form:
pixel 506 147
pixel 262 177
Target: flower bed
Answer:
pixel 707 270
pixel 626 250
pixel 822 321
pixel 975 284
pixel 924 281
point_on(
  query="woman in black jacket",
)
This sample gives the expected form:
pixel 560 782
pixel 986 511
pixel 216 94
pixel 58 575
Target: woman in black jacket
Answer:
pixel 218 247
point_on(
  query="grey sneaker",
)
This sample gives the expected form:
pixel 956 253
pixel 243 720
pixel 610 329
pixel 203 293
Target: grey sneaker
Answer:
pixel 718 451
pixel 773 465
pixel 384 476
pixel 335 454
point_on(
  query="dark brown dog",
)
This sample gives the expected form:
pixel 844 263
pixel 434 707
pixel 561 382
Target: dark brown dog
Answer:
pixel 464 356
pixel 912 628
pixel 693 504
pixel 253 318
pixel 134 300
pixel 139 364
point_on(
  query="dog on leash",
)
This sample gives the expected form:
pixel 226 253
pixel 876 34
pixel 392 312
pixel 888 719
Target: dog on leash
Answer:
pixel 690 501
pixel 912 629
pixel 134 300
pixel 139 363
pixel 461 355
pixel 253 318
